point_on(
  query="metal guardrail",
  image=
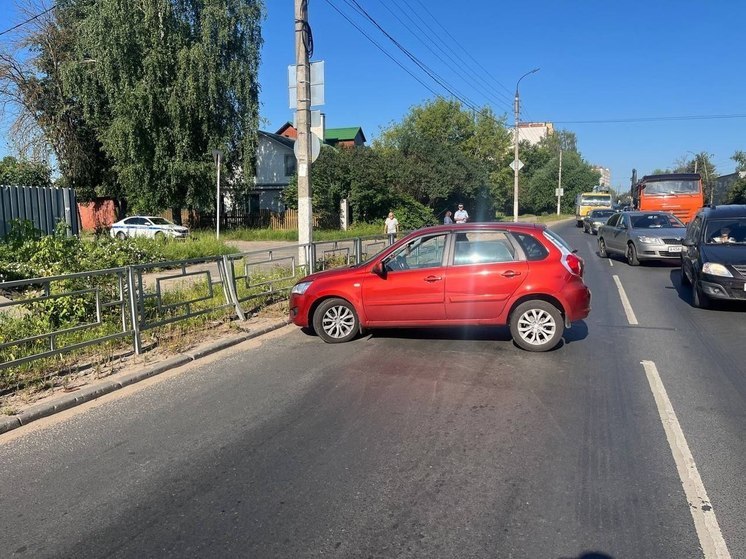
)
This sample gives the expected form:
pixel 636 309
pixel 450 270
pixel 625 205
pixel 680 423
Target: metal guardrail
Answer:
pixel 127 302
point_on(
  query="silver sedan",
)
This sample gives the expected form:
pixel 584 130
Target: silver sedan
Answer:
pixel 641 235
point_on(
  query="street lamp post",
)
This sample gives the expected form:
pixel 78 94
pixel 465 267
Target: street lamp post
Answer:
pixel 516 109
pixel 217 155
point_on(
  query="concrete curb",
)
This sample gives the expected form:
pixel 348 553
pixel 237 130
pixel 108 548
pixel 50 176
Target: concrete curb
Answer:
pixel 100 389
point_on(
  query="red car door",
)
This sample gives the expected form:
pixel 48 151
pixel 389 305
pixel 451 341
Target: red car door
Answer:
pixel 486 271
pixel 412 288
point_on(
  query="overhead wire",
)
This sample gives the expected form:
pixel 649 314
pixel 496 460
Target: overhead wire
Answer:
pixel 431 73
pixel 461 69
pixel 394 60
pixel 27 21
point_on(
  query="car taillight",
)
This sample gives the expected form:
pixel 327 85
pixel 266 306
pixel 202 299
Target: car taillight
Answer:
pixel 574 264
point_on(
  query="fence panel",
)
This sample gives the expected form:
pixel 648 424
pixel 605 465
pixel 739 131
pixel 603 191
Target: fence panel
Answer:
pixel 43 206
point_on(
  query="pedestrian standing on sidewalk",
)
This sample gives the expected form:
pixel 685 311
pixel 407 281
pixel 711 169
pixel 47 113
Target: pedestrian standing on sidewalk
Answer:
pixel 461 215
pixel 447 220
pixel 391 227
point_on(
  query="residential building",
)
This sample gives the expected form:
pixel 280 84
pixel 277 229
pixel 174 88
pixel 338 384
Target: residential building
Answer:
pixel 275 167
pixel 723 185
pixel 533 132
pixel 605 179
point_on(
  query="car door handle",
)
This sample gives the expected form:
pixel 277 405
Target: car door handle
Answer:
pixel 431 279
pixel 510 274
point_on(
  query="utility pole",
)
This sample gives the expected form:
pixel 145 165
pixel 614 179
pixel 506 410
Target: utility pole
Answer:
pixel 559 184
pixel 303 82
pixel 517 110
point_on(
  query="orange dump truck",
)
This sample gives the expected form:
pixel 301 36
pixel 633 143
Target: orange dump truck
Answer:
pixel 678 193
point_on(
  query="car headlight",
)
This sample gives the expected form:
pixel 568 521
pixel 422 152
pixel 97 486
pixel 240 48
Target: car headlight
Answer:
pixel 300 288
pixel 716 270
pixel 650 240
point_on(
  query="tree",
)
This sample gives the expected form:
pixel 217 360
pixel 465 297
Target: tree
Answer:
pixel 740 158
pixel 449 154
pixel 24 173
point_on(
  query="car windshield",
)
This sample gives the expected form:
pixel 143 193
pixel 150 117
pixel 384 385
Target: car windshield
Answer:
pixel 605 214
pixel 599 200
pixel 160 221
pixel 655 221
pixel 726 231
pixel 672 187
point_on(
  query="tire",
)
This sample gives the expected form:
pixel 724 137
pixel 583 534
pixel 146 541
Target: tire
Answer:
pixel 335 321
pixel 536 325
pixel 160 235
pixel 578 223
pixel 602 248
pixel 632 259
pixel 121 236
pixel 699 299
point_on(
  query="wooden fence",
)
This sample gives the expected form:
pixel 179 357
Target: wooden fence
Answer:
pixel 263 219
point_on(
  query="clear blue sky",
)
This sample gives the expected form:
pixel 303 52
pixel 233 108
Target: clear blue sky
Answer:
pixel 646 63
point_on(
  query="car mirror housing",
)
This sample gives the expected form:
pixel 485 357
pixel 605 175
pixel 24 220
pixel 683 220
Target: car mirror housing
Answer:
pixel 688 243
pixel 379 269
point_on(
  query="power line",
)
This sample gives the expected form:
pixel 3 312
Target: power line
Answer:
pixel 461 68
pixel 437 79
pixel 651 119
pixel 382 49
pixel 29 20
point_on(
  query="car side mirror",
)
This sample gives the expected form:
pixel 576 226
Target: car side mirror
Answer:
pixel 688 243
pixel 379 269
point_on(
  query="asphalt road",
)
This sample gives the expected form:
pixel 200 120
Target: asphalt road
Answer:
pixel 428 443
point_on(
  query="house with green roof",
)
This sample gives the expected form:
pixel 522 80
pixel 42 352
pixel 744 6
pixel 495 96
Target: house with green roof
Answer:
pixel 344 137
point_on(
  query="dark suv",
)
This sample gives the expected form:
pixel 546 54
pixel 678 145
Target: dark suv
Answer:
pixel 713 258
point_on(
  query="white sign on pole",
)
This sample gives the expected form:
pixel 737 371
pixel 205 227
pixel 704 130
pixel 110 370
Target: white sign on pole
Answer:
pixel 559 191
pixel 520 164
pixel 317 84
pixel 315 147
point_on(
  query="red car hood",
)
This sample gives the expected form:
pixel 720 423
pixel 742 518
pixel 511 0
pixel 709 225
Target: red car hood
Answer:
pixel 329 273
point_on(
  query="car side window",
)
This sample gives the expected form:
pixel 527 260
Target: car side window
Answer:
pixel 480 247
pixel 533 248
pixel 692 232
pixel 613 220
pixel 419 253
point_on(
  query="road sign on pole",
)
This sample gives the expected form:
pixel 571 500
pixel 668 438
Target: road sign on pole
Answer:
pixel 520 164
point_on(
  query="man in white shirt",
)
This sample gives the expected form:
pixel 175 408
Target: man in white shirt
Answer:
pixel 391 227
pixel 461 215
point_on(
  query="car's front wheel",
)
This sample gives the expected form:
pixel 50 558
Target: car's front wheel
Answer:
pixel 536 325
pixel 699 299
pixel 602 248
pixel 632 258
pixel 121 236
pixel 335 321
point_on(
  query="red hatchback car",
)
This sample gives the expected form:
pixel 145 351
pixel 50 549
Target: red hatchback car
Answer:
pixel 522 275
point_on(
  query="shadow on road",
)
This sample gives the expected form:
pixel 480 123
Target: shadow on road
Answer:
pixel 591 555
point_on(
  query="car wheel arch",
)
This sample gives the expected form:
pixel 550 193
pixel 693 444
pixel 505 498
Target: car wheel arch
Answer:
pixel 540 297
pixel 362 319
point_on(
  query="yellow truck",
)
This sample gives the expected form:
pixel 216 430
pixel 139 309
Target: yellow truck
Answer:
pixel 588 201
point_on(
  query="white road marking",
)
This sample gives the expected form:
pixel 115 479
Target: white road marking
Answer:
pixel 705 522
pixel 631 318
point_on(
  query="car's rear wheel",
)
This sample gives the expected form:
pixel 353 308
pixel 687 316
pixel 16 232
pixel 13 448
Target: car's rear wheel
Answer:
pixel 121 236
pixel 632 258
pixel 536 325
pixel 602 248
pixel 335 321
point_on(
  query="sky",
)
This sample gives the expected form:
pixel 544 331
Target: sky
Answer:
pixel 642 84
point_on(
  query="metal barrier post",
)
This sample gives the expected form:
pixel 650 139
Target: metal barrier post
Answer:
pixel 133 310
pixel 230 281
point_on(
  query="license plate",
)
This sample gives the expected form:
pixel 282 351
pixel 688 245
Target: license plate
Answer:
pixel 674 249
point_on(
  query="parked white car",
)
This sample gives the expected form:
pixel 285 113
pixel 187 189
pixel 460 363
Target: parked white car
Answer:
pixel 152 227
